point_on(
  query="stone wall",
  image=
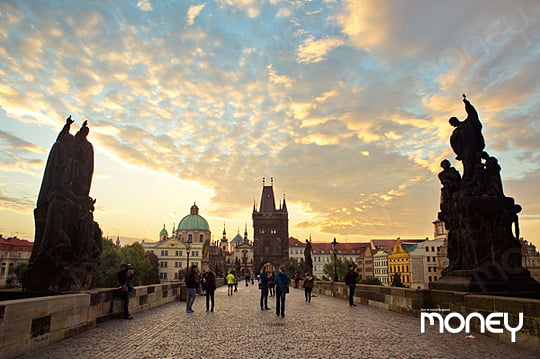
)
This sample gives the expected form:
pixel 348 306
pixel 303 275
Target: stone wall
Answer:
pixel 414 301
pixel 33 323
pixel 28 324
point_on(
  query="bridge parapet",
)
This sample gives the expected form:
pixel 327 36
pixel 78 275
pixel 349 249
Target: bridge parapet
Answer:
pixel 415 301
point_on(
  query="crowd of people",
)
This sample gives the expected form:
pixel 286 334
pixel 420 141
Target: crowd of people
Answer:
pixel 271 284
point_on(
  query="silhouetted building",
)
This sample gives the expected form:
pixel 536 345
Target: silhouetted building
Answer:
pixel 270 230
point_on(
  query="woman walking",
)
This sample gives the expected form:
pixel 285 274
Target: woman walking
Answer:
pixel 308 286
pixel 210 281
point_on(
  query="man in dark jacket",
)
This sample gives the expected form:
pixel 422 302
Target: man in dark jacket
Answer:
pixel 125 277
pixel 264 289
pixel 210 284
pixel 350 280
pixel 282 288
pixel 191 285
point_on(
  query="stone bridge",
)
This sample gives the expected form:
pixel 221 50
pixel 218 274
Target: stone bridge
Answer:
pixel 325 328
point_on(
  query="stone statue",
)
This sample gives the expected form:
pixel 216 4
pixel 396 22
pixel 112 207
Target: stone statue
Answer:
pixel 67 244
pixel 467 140
pixel 483 248
pixel 308 261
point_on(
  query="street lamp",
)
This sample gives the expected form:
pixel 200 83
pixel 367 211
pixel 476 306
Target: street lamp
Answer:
pixel 334 250
pixel 188 249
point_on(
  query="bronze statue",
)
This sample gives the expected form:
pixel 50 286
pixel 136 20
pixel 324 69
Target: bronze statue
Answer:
pixel 67 244
pixel 484 251
pixel 307 257
pixel 467 140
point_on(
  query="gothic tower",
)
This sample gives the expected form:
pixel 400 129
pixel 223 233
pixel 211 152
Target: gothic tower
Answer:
pixel 270 230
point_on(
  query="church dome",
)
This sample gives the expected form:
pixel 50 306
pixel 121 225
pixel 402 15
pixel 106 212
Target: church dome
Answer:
pixel 163 232
pixel 193 221
pixel 238 239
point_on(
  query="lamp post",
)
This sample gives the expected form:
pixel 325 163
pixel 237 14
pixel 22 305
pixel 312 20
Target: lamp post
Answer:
pixel 188 249
pixel 334 250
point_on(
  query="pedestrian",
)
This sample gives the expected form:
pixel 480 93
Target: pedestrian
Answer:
pixel 252 277
pixel 191 285
pixel 271 284
pixel 246 277
pixel 296 279
pixel 350 280
pixel 236 282
pixel 230 283
pixel 308 286
pixel 282 288
pixel 125 279
pixel 210 284
pixel 263 285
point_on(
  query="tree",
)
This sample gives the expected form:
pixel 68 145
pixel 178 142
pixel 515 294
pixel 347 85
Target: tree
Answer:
pixel 135 255
pixel 153 275
pixel 110 263
pixel 19 270
pixel 396 281
pixel 342 267
pixel 182 274
pixel 291 266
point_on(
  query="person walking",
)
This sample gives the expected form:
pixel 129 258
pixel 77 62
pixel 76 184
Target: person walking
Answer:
pixel 282 288
pixel 308 286
pixel 350 280
pixel 230 283
pixel 191 285
pixel 210 284
pixel 264 289
pixel 271 284
pixel 125 278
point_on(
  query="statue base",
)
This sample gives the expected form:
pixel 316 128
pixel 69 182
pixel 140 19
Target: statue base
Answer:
pixel 490 280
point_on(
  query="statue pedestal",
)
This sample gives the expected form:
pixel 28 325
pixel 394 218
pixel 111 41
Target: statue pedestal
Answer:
pixel 491 280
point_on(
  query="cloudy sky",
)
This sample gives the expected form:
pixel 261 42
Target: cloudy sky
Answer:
pixel 344 103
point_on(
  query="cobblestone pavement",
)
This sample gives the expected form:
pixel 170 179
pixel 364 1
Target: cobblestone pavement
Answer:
pixel 325 328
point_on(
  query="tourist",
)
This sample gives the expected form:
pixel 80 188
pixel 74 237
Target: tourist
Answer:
pixel 308 286
pixel 296 279
pixel 191 285
pixel 282 288
pixel 264 289
pixel 271 284
pixel 246 277
pixel 210 284
pixel 350 280
pixel 230 283
pixel 125 278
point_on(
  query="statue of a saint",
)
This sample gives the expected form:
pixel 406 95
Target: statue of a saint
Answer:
pixel 467 140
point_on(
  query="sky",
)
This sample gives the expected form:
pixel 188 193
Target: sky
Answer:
pixel 345 104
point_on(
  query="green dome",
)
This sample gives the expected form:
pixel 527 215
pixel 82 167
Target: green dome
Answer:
pixel 163 232
pixel 193 221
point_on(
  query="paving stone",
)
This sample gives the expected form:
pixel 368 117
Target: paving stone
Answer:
pixel 325 328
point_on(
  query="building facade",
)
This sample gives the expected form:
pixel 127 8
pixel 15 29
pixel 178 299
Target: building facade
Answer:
pixel 13 251
pixel 190 240
pixel 380 266
pixel 270 230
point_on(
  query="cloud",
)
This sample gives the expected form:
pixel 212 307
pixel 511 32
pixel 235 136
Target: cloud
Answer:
pixel 145 5
pixel 316 50
pixel 193 12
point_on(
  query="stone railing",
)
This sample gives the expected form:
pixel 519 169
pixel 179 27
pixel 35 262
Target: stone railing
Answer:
pixel 28 324
pixel 415 301
pixel 32 323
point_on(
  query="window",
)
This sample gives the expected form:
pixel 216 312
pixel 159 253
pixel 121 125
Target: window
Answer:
pixel 201 238
pixel 164 253
pixel 178 253
pixel 163 264
pixel 190 237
